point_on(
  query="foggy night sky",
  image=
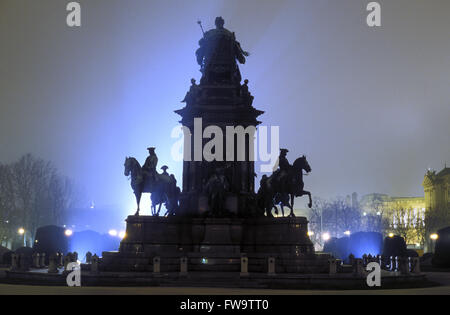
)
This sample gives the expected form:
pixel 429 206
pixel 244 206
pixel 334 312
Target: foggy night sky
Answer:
pixel 370 108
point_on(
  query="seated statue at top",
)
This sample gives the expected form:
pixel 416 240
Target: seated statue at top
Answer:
pixel 217 56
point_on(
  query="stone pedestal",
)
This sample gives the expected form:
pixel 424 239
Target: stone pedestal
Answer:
pixel 215 245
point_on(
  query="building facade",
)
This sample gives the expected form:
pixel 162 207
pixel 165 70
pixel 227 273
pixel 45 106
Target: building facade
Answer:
pixel 414 218
pixel 436 188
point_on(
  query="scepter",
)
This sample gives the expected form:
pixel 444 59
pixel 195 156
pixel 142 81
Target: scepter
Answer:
pixel 200 23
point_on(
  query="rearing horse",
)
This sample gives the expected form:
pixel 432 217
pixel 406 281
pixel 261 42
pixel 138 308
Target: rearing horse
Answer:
pixel 291 184
pixel 159 188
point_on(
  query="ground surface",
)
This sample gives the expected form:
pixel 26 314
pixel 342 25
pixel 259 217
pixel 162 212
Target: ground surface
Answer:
pixel 443 278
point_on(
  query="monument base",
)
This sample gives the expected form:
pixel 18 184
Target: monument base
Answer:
pixel 216 245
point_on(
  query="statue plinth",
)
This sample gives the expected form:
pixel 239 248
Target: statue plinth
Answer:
pixel 214 244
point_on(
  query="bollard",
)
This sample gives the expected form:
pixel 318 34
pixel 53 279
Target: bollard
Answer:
pixel 42 260
pixel 35 259
pixel 332 266
pixel 415 265
pixel 156 265
pixel 59 259
pixel 364 259
pixel 24 263
pixel 403 265
pixel 88 257
pixel 244 266
pixel 67 260
pixel 53 264
pixel 358 267
pixel 351 259
pixel 14 262
pixel 183 266
pixel 271 266
pixel 94 264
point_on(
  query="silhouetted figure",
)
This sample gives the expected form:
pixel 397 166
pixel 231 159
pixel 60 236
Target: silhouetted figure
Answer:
pixel 217 55
pixel 191 94
pixel 149 167
pixel 161 186
pixel 286 180
pixel 245 94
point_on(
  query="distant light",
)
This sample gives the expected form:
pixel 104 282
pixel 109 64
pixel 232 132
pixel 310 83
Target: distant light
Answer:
pixel 112 232
pixel 310 233
pixel 92 206
pixel 365 213
pixel 21 231
pixel 434 236
pixel 68 232
pixel 391 235
pixel 347 233
pixel 378 213
pixel 326 236
pixel 122 234
pixel 204 261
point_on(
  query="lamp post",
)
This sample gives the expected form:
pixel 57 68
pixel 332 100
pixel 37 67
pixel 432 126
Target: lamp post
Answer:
pixel 22 231
pixel 433 238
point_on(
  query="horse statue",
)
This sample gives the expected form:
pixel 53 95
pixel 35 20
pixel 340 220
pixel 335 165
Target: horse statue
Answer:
pixel 283 188
pixel 162 187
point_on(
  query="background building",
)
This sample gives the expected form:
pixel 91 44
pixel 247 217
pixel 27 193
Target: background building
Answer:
pixel 437 189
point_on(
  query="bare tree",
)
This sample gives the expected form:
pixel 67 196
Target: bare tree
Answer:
pixel 32 194
pixel 334 217
pixel 435 219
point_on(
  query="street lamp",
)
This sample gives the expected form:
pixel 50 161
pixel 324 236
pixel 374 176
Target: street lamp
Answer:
pixel 21 231
pixel 326 236
pixel 112 232
pixel 391 235
pixel 68 232
pixel 347 233
pixel 434 236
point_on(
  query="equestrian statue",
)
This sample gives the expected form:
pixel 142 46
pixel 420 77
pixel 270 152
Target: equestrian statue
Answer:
pixel 162 187
pixel 283 185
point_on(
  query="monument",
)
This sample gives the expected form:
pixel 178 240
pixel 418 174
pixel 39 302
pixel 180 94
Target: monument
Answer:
pixel 217 218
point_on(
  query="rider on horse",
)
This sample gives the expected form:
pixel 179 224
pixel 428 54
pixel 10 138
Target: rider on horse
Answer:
pixel 284 167
pixel 149 167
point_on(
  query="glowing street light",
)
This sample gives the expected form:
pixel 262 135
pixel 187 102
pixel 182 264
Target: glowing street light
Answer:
pixel 21 231
pixel 122 234
pixel 326 236
pixel 68 232
pixel 310 233
pixel 391 235
pixel 347 233
pixel 434 236
pixel 112 232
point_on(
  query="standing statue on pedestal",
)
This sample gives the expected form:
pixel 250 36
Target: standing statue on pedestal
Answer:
pixel 217 55
pixel 163 187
